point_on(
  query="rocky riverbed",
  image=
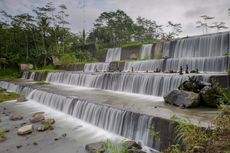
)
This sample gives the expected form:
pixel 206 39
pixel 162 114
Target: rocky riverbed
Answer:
pixel 62 136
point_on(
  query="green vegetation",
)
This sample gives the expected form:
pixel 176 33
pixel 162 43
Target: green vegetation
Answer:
pixel 2 136
pixel 204 140
pixel 131 45
pixel 9 74
pixel 5 96
pixel 41 83
pixel 112 148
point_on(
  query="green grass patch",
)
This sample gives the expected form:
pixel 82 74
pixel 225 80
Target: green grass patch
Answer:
pixel 47 70
pixel 2 136
pixel 131 45
pixel 5 96
pixel 9 74
pixel 41 83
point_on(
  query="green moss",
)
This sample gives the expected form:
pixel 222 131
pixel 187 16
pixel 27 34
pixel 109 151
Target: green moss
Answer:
pixel 2 136
pixel 9 74
pixel 131 45
pixel 5 96
pixel 47 70
pixel 41 83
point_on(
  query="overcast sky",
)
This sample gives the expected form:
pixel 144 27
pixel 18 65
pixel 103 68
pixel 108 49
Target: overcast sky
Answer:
pixel 186 12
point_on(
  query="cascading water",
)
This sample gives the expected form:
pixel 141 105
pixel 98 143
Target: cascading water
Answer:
pixel 203 64
pixel 113 54
pixel 199 46
pixel 93 67
pixel 25 75
pixel 131 125
pixel 149 84
pixel 145 51
pixel 141 66
pixel 32 75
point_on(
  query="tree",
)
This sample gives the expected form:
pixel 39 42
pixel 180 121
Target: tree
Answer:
pixel 219 26
pixel 147 30
pixel 113 28
pixel 175 30
pixel 203 24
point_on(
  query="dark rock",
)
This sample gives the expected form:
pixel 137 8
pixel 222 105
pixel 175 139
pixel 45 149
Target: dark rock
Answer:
pixel 15 117
pixel 6 130
pixel 35 143
pixel 56 139
pixel 98 147
pixel 135 150
pixel 192 84
pixel 38 117
pixel 132 144
pixel 26 129
pixel 19 146
pixel 21 98
pixel 2 89
pixel 64 135
pixel 208 95
pixel 183 99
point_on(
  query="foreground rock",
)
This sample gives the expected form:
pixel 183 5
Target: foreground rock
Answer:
pixel 21 98
pixel 50 121
pixel 26 129
pixel 208 95
pixel 185 99
pixel 15 117
pixel 98 147
pixel 37 117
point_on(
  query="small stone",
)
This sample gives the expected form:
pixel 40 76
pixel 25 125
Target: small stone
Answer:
pixel 64 135
pixel 6 130
pixel 49 121
pixel 98 147
pixel 19 146
pixel 37 118
pixel 15 117
pixel 26 129
pixel 56 139
pixel 35 143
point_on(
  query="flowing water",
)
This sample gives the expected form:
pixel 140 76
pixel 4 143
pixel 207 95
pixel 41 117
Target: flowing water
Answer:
pixel 113 54
pixel 145 51
pixel 96 67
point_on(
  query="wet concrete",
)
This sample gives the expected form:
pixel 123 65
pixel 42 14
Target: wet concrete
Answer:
pixel 149 105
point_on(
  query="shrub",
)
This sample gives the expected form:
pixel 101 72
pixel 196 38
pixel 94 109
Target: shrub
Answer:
pixel 131 45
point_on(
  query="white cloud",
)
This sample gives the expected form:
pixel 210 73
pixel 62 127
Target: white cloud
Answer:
pixel 179 11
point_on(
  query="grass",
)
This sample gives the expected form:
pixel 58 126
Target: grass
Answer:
pixel 47 70
pixel 131 45
pixel 5 96
pixel 2 136
pixel 113 148
pixel 41 83
pixel 9 74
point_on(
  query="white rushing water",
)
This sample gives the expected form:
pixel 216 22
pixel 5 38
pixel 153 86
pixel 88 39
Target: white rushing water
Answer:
pixel 99 67
pixel 145 51
pixel 113 54
pixel 203 64
pixel 121 122
pixel 148 84
pixel 199 46
pixel 142 66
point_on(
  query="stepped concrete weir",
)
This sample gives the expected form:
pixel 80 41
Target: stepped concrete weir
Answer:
pixel 126 97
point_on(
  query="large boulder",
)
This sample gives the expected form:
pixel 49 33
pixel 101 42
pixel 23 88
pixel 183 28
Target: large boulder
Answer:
pixel 182 98
pixel 15 117
pixel 129 144
pixel 209 96
pixel 98 147
pixel 26 129
pixel 37 117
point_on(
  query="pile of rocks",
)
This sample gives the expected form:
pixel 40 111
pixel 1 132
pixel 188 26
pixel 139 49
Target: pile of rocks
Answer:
pixel 193 93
